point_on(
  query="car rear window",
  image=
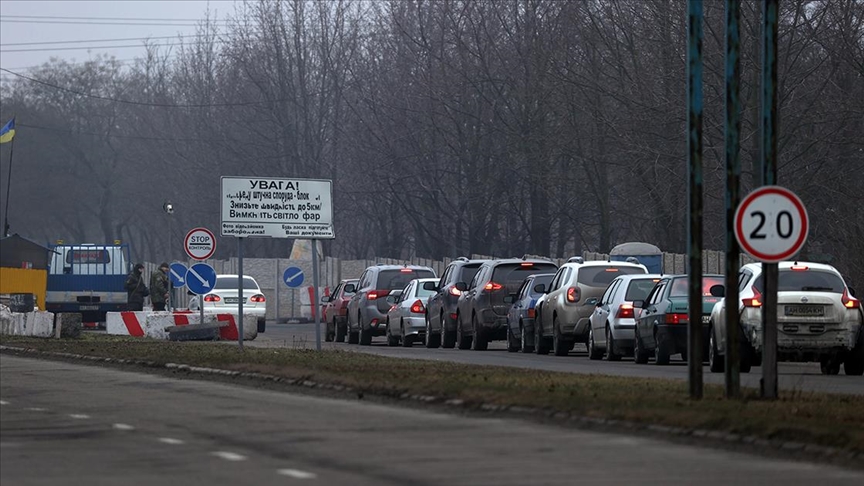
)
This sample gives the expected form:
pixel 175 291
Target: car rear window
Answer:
pixel 398 279
pixel 421 292
pixel 512 275
pixel 603 276
pixel 681 285
pixel 639 288
pixel 807 280
pixel 542 279
pixel 234 282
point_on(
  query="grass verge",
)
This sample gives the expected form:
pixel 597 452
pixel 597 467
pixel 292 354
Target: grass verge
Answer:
pixel 814 418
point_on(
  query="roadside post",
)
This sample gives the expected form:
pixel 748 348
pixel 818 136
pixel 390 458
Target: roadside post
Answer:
pixel 771 224
pixel 278 208
pixel 200 278
pixel 199 244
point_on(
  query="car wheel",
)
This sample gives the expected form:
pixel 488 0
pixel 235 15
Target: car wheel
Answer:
pixel 391 339
pixel 340 332
pixel 448 338
pixel 830 365
pixel 661 352
pixel 612 354
pixel 462 341
pixel 524 343
pixel 328 334
pixel 513 344
pixel 593 352
pixel 432 340
pixel 747 356
pixel 640 354
pixel 854 363
pixel 541 343
pixel 715 361
pixel 407 341
pixel 479 343
pixel 364 335
pixel 559 344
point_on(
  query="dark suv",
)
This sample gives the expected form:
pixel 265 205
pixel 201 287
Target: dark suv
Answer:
pixel 441 306
pixel 482 308
pixel 367 309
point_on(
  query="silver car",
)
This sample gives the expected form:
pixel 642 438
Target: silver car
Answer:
pixel 818 318
pixel 406 319
pixel 613 321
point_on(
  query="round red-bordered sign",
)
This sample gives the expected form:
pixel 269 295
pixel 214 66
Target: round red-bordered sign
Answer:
pixel 200 244
pixel 771 224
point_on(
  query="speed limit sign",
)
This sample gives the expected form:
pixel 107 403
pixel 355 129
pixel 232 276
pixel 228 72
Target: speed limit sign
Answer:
pixel 771 224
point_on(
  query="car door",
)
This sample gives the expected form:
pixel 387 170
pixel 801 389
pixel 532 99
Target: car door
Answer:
pixel 648 318
pixel 545 321
pixel 354 303
pixel 466 300
pixel 601 312
pixel 720 322
pixel 436 300
pixel 518 308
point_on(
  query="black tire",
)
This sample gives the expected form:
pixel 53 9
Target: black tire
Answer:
pixel 640 354
pixel 462 341
pixel 747 356
pixel 612 354
pixel 328 334
pixel 853 365
pixel 365 337
pixel 407 341
pixel 560 344
pixel 684 356
pixel 513 344
pixel 432 340
pixel 448 341
pixel 715 360
pixel 541 343
pixel 661 352
pixel 593 352
pixel 830 365
pixel 392 340
pixel 353 337
pixel 526 348
pixel 340 332
pixel 480 342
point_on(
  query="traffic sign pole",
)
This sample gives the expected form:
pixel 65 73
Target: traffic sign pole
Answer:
pixel 240 292
pixel 316 304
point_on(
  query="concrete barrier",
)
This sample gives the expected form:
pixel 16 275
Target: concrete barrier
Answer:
pixel 153 324
pixel 37 323
pixel 126 323
pixel 227 332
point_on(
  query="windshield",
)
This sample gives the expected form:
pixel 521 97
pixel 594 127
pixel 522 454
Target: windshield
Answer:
pixel 398 279
pixel 680 286
pixel 640 288
pixel 603 276
pixel 233 283
pixel 512 275
pixel 806 280
pixel 468 272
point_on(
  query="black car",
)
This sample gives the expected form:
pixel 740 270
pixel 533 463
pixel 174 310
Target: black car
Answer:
pixel 441 306
pixel 367 309
pixel 520 318
pixel 482 308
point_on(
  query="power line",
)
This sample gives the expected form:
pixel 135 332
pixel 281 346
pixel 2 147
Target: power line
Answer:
pixel 67 17
pixel 97 40
pixel 77 22
pixel 85 48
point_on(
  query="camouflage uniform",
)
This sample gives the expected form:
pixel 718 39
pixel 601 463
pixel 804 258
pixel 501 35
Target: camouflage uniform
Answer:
pixel 136 290
pixel 159 287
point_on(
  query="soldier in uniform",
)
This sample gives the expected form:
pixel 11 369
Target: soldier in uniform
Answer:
pixel 136 289
pixel 159 287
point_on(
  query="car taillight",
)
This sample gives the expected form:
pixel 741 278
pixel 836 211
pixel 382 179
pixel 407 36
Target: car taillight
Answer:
pixel 406 270
pixel 676 318
pixel 532 313
pixel 377 294
pixel 493 286
pixel 800 268
pixel 850 302
pixel 212 298
pixel 526 264
pixel 257 298
pixel 455 292
pixel 571 294
pixel 624 311
pixel 417 307
pixel 755 301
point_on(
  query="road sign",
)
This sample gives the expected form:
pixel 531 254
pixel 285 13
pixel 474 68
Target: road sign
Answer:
pixel 200 244
pixel 200 278
pixel 177 273
pixel 277 208
pixel 293 277
pixel 771 224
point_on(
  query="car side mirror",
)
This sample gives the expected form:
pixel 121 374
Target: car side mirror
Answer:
pixel 433 286
pixel 350 288
pixel 509 299
pixel 638 304
pixel 326 299
pixel 395 293
pixel 540 288
pixel 718 291
pixel 592 301
pixel 391 299
pixel 461 286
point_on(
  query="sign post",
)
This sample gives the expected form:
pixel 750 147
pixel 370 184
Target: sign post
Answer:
pixel 279 208
pixel 200 244
pixel 771 224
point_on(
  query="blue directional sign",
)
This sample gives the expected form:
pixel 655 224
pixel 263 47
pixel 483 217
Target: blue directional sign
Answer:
pixel 200 278
pixel 177 273
pixel 293 277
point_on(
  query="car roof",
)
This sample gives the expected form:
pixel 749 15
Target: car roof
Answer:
pixel 786 265
pixel 603 263
pixel 505 261
pixel 233 275
pixel 386 266
pixel 639 276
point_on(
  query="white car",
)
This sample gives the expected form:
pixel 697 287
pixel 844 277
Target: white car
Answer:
pixel 224 299
pixel 818 319
pixel 406 319
pixel 613 322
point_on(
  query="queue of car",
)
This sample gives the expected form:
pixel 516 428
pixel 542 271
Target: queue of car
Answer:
pixel 616 308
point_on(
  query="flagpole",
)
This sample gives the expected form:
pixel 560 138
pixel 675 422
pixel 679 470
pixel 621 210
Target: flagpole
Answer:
pixel 8 187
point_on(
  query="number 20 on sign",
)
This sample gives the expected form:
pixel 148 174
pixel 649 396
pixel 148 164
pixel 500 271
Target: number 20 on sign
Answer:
pixel 771 224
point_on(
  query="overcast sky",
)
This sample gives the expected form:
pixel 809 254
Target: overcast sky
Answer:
pixel 28 24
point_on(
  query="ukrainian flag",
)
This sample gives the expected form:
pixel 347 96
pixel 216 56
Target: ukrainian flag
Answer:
pixel 8 131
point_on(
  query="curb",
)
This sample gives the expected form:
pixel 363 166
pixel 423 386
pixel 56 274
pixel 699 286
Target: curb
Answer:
pixel 782 446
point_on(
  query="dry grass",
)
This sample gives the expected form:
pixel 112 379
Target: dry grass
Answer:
pixel 818 418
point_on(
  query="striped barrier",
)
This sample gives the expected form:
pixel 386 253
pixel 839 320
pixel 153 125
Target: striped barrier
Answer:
pixel 153 324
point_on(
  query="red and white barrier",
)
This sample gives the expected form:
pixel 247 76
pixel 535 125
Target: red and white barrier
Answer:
pixel 153 324
pixel 307 296
pixel 126 323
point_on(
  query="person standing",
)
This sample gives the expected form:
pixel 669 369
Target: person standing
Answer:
pixel 136 289
pixel 159 287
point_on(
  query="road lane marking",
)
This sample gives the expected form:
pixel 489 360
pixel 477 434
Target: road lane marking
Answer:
pixel 171 441
pixel 297 474
pixel 4 402
pixel 35 409
pixel 229 456
pixel 123 427
pixel 79 416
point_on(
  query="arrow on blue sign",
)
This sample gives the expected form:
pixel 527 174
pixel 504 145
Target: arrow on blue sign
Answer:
pixel 178 274
pixel 293 276
pixel 200 278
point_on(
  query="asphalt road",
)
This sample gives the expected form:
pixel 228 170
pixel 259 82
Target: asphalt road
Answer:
pixel 63 423
pixel 792 376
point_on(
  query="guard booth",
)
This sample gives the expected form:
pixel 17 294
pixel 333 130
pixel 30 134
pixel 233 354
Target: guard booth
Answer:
pixel 23 268
pixel 647 254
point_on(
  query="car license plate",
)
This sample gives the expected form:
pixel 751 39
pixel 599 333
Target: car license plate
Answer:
pixel 89 307
pixel 805 310
pixel 232 300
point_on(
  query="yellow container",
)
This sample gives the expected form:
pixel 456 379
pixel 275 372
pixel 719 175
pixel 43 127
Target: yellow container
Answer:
pixel 24 281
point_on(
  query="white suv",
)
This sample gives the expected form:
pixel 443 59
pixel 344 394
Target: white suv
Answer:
pixel 818 319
